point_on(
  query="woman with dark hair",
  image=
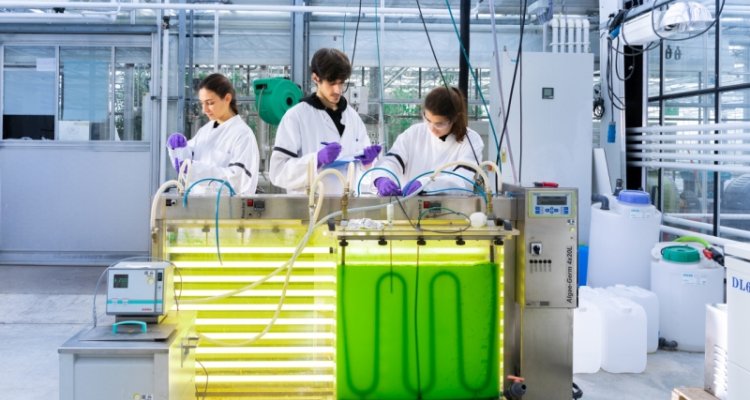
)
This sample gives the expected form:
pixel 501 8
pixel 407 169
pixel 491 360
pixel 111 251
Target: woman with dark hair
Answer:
pixel 442 137
pixel 225 148
pixel 321 129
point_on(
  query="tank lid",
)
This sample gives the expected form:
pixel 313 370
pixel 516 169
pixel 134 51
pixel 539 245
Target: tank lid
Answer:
pixel 681 254
pixel 634 197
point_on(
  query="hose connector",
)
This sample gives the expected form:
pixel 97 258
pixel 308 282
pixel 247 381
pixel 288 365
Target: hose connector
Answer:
pixel 516 390
pixel 599 198
pixel 345 206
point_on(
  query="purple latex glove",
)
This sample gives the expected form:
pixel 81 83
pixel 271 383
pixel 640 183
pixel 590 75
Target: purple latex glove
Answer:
pixel 176 141
pixel 387 187
pixel 369 154
pixel 412 188
pixel 328 154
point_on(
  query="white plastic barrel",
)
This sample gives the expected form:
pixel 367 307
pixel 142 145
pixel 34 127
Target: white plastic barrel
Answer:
pixel 587 333
pixel 623 333
pixel 684 281
pixel 621 240
pixel 650 303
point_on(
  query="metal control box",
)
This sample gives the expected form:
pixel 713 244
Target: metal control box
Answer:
pixel 140 289
pixel 550 249
pixel 547 290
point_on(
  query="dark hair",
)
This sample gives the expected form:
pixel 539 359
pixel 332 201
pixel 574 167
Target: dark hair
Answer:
pixel 331 65
pixel 220 85
pixel 449 102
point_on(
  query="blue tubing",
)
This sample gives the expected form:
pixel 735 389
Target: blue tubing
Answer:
pixel 359 183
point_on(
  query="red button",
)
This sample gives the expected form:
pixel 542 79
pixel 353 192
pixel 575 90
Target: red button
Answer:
pixel 249 202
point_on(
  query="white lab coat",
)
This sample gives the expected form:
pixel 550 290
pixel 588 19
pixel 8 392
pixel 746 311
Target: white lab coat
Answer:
pixel 298 139
pixel 417 150
pixel 229 152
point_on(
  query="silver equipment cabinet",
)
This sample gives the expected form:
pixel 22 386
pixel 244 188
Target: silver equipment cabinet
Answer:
pixel 97 364
pixel 547 290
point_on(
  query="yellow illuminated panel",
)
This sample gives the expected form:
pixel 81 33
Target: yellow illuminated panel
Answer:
pixel 296 358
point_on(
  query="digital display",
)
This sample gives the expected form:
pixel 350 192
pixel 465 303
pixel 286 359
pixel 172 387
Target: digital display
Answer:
pixel 552 200
pixel 120 281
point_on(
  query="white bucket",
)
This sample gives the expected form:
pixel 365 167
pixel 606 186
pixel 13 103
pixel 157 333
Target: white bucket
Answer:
pixel 650 303
pixel 684 281
pixel 623 334
pixel 587 333
pixel 621 240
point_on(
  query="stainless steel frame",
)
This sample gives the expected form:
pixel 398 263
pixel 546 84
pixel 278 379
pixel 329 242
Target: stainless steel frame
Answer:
pixel 540 263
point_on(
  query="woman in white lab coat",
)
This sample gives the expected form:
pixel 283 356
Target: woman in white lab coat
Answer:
pixel 225 148
pixel 321 128
pixel 442 137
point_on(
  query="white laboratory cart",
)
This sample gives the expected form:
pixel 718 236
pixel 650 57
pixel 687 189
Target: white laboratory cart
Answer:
pixel 98 364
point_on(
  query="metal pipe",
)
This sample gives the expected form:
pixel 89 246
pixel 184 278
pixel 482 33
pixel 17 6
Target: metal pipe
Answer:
pixel 703 157
pixel 724 216
pixel 181 67
pixel 688 166
pixel 216 7
pixel 667 138
pixel 164 98
pixel 49 18
pixel 216 42
pixel 709 147
pixel 696 127
pixel 709 238
pixel 463 64
pixel 707 226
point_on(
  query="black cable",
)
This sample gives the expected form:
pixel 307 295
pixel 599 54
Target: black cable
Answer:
pixel 424 25
pixel 617 64
pixel 416 327
pixel 205 386
pixel 174 289
pixel 354 50
pixel 615 100
pixel 524 7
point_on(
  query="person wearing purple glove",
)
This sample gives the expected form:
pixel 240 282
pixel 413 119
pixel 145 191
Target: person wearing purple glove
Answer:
pixel 328 153
pixel 224 148
pixel 442 137
pixel 177 148
pixel 320 129
pixel 387 187
pixel 413 187
pixel 369 154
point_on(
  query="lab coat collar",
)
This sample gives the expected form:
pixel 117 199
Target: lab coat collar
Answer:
pixel 315 101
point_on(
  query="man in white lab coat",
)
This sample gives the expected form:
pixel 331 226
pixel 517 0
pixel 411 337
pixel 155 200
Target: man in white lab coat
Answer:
pixel 442 137
pixel 321 129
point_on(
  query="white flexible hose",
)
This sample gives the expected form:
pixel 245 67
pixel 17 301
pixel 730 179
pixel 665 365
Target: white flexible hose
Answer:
pixel 478 168
pixel 494 168
pixel 288 265
pixel 184 175
pixel 155 202
pixel 329 171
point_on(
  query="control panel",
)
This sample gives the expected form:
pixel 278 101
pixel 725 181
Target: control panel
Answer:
pixel 551 204
pixel 139 288
pixel 549 249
